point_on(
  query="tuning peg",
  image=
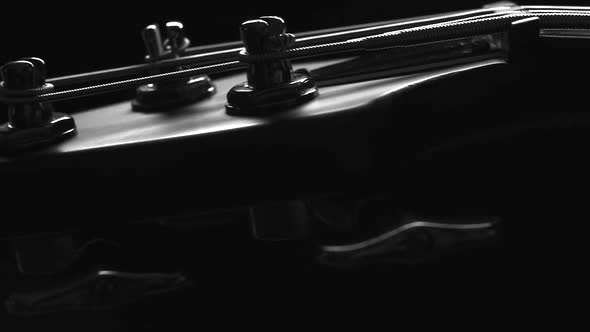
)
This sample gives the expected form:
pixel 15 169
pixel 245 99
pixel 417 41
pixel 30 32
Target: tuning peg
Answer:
pixel 276 25
pixel 272 84
pixel 30 124
pixel 27 73
pixel 18 75
pixel 253 34
pixel 277 30
pixel 176 40
pixel 40 70
pixel 165 95
pixel 153 42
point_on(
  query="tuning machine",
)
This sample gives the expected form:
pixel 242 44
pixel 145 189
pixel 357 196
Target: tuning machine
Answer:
pixel 272 84
pixel 159 96
pixel 30 124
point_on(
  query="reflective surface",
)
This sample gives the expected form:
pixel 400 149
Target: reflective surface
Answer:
pixel 117 125
pixel 31 125
pixel 163 96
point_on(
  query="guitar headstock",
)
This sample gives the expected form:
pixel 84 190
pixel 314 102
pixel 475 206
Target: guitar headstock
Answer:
pixel 264 108
pixel 220 118
pixel 260 115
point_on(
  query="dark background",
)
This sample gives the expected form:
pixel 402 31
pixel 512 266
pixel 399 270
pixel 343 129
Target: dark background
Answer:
pixel 78 36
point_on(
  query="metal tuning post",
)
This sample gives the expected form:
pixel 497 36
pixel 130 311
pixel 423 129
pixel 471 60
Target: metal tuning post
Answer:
pixel 30 124
pixel 272 84
pixel 162 96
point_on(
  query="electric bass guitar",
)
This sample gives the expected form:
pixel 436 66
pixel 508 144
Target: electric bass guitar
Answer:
pixel 385 144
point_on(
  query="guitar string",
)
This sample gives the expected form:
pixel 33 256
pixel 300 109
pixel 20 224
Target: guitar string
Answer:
pixel 197 57
pixel 448 30
pixel 133 82
pixel 421 34
pixel 191 59
pixel 39 96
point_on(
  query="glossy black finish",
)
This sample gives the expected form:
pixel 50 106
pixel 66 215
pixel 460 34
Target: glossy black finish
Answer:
pixel 340 135
pixel 176 41
pixel 272 85
pixel 21 75
pixel 31 125
pixel 162 96
pixel 243 99
pixel 153 42
pixel 178 92
pixel 268 34
pixel 223 160
pixel 349 133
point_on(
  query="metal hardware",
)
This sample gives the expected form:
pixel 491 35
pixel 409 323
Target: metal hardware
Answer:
pixel 181 91
pixel 272 85
pixel 153 42
pixel 30 124
pixel 201 55
pixel 224 60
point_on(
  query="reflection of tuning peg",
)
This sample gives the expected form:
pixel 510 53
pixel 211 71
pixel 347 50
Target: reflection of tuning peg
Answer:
pixel 414 241
pixel 97 291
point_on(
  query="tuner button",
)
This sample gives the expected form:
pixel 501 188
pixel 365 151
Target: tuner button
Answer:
pixel 19 74
pixel 276 25
pixel 177 40
pixel 40 70
pixel 277 29
pixel 253 34
pixel 153 41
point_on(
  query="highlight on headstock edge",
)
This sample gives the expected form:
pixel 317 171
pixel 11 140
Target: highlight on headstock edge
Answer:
pixel 175 74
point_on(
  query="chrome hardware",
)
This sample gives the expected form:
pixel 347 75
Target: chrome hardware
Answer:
pixel 153 42
pixel 30 124
pixel 176 40
pixel 272 85
pixel 161 96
